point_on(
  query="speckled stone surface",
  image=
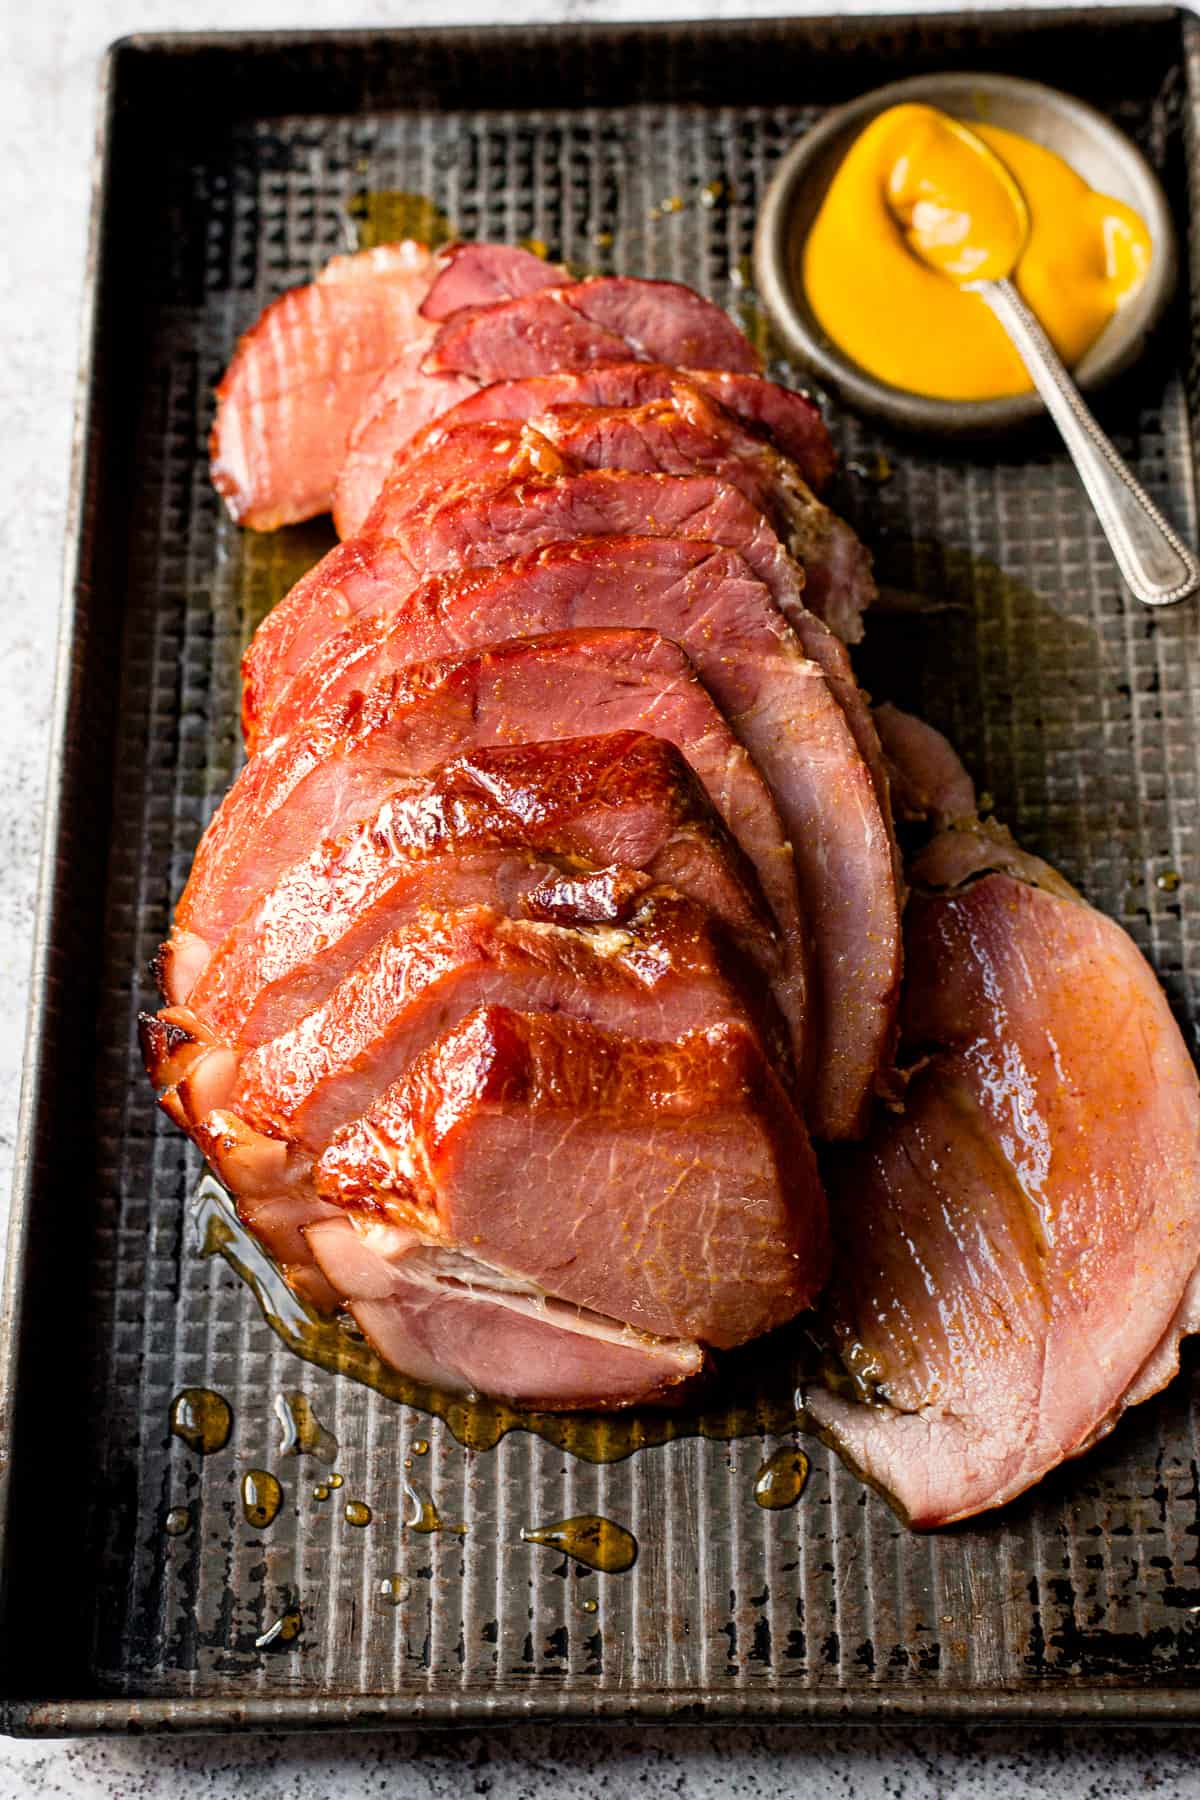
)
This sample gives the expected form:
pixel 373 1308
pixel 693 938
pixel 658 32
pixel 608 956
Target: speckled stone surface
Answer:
pixel 48 65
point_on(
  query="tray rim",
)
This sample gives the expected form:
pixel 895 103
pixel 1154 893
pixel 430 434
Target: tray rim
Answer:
pixel 1060 1700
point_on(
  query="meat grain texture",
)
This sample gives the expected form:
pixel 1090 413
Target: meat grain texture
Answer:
pixel 566 846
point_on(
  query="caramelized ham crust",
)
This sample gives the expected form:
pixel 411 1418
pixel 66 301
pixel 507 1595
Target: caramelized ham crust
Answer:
pixel 577 829
pixel 669 1185
pixel 778 704
pixel 405 400
pixel 608 319
pixel 659 974
pixel 320 779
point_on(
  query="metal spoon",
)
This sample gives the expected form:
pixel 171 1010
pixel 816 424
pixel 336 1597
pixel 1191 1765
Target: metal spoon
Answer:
pixel 1155 562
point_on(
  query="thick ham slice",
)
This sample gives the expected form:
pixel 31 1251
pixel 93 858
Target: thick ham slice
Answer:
pixel 473 275
pixel 451 1321
pixel 623 811
pixel 927 779
pixel 610 318
pixel 659 974
pixel 1017 1250
pixel 405 400
pixel 318 781
pixel 778 703
pixel 481 523
pixel 300 378
pixel 778 415
pixel 601 1127
pixel 685 434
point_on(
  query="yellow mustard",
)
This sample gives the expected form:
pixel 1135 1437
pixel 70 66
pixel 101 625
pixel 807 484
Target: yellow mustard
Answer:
pixel 912 204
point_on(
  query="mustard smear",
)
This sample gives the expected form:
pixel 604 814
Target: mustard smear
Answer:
pixel 914 211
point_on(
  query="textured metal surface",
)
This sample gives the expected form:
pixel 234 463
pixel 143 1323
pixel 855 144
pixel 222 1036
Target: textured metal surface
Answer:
pixel 231 167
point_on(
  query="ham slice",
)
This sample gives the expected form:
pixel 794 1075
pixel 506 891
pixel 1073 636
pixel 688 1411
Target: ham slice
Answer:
pixel 318 781
pixel 659 974
pixel 481 829
pixel 601 1127
pixel 610 318
pixel 405 400
pixel 927 779
pixel 1017 1251
pixel 473 275
pixel 685 434
pixel 776 415
pixel 482 523
pixel 778 703
pixel 301 376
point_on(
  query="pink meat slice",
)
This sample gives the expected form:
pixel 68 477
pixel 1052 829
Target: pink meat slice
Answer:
pixel 472 275
pixel 453 1323
pixel 1016 1251
pixel 300 378
pixel 773 414
pixel 683 434
pixel 610 318
pixel 405 400
pixel 481 522
pixel 778 703
pixel 318 781
pixel 363 576
pixel 927 778
pixel 602 1126
pixel 623 811
pixel 660 974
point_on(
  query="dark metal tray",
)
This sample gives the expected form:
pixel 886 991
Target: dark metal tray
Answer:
pixel 229 168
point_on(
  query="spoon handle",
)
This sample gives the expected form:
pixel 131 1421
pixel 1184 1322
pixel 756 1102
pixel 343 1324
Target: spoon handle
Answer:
pixel 1157 565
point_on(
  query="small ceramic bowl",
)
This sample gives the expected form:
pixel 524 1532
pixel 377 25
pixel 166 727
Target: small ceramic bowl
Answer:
pixel 1104 156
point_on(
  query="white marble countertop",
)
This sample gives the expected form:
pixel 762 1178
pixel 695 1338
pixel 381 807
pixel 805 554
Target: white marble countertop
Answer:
pixel 49 55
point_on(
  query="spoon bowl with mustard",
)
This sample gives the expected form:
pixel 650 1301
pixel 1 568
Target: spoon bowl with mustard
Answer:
pixel 933 267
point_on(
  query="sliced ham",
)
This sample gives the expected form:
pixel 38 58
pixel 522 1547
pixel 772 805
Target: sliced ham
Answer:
pixel 472 275
pixel 300 378
pixel 602 1127
pixel 462 1327
pixel 624 807
pixel 927 778
pixel 789 420
pixel 658 975
pixel 321 779
pixel 684 434
pixel 610 318
pixel 778 703
pixel 405 400
pixel 482 522
pixel 1015 1250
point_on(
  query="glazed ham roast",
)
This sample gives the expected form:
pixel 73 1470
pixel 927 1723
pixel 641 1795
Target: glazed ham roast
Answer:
pixel 559 909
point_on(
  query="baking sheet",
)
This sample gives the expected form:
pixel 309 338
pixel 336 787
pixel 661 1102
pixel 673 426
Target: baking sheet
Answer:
pixel 231 172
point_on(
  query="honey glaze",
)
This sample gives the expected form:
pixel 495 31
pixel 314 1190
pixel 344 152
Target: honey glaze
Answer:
pixel 599 1543
pixel 752 1394
pixel 262 1496
pixel 782 1479
pixel 388 215
pixel 202 1419
pixel 422 1516
pixel 285 1630
pixel 303 1432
